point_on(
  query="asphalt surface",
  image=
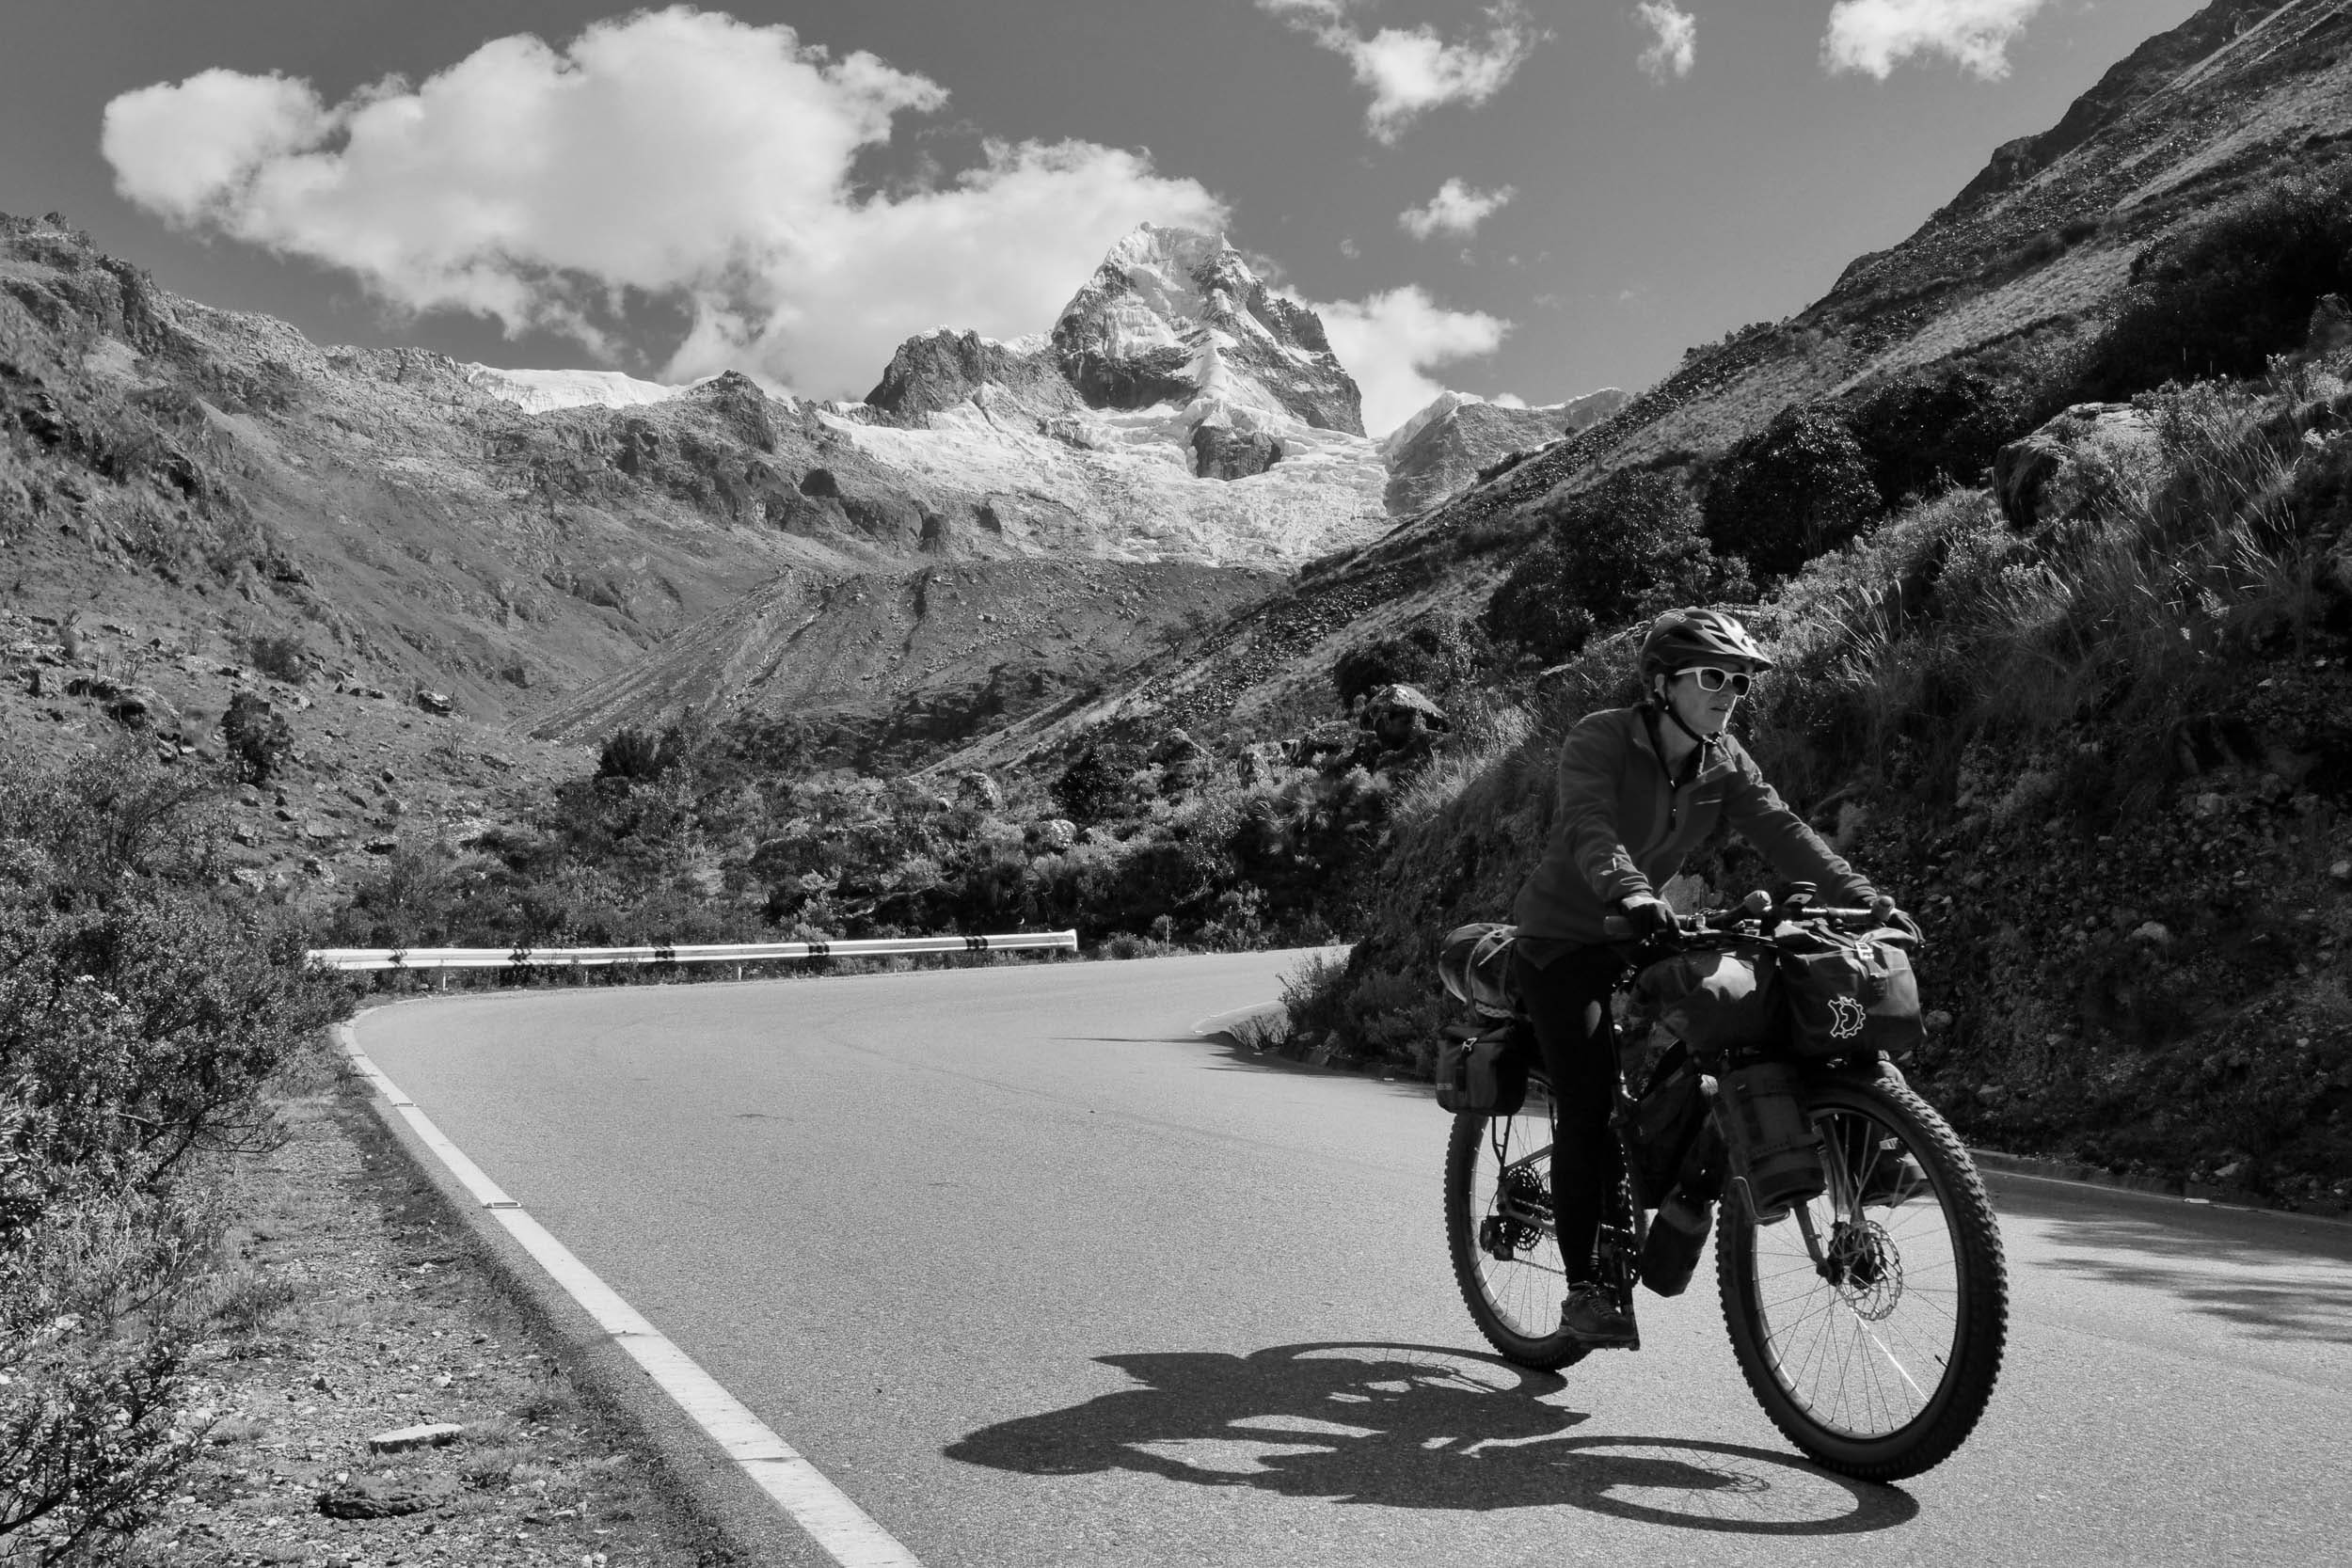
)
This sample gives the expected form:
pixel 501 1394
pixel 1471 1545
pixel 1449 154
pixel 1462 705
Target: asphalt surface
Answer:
pixel 1038 1277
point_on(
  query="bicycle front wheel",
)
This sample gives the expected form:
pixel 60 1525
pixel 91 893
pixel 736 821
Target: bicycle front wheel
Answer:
pixel 1869 1323
pixel 1499 1231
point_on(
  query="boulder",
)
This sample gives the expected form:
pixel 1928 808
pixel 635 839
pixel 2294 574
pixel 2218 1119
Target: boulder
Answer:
pixel 435 702
pixel 386 1498
pixel 141 708
pixel 402 1439
pixel 1333 738
pixel 1261 762
pixel 2090 455
pixel 1402 717
pixel 978 791
pixel 1056 833
pixel 1176 746
pixel 1219 452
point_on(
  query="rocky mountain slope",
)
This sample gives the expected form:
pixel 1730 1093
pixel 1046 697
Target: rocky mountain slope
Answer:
pixel 504 537
pixel 1929 355
pixel 891 669
pixel 235 498
pixel 1440 449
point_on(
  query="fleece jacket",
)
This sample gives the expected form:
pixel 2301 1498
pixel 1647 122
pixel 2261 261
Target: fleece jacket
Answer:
pixel 1623 826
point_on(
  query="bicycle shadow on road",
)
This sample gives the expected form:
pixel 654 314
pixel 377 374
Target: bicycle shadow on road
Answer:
pixel 1415 1426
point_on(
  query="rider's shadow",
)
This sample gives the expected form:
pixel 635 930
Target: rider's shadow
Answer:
pixel 1415 1427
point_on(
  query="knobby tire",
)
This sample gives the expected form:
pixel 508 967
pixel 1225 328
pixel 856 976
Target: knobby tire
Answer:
pixel 1515 1303
pixel 1844 1371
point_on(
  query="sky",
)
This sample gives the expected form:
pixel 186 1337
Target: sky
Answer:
pixel 1525 199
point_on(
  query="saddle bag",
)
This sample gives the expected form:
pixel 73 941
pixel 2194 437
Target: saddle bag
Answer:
pixel 1486 1074
pixel 1849 993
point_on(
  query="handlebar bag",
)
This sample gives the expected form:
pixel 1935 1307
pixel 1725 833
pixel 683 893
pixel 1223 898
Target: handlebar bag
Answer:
pixel 1848 992
pixel 1486 1075
pixel 1713 1001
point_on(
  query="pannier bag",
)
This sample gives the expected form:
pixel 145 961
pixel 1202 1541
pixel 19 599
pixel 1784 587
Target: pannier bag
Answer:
pixel 1713 1001
pixel 1486 1075
pixel 1849 993
pixel 1475 960
pixel 1775 1154
pixel 1667 1122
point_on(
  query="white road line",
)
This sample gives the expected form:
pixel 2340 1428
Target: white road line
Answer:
pixel 846 1532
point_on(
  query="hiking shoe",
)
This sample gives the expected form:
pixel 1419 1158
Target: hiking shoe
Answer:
pixel 1593 1316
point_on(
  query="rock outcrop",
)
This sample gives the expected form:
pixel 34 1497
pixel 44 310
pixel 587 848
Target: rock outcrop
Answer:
pixel 1222 453
pixel 940 368
pixel 2090 455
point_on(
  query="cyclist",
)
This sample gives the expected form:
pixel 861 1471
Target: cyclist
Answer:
pixel 1638 789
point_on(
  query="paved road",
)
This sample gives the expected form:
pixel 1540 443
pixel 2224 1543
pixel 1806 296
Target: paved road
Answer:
pixel 1039 1278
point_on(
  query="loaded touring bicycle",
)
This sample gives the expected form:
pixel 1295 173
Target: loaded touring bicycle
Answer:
pixel 1857 1259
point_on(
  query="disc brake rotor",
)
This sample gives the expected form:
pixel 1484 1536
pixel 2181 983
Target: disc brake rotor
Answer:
pixel 1866 1268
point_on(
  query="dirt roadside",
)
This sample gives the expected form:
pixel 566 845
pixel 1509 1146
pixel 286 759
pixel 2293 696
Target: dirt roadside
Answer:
pixel 359 1304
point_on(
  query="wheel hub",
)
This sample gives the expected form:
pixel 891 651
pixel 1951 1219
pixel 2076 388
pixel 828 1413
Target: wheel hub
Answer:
pixel 1864 1267
pixel 1520 1208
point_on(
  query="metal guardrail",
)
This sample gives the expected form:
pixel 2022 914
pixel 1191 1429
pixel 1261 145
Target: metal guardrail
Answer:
pixel 682 953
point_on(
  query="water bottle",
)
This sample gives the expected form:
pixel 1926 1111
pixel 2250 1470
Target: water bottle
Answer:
pixel 1677 1234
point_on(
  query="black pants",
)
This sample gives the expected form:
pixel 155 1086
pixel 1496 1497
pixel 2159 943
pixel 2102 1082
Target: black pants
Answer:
pixel 1567 1002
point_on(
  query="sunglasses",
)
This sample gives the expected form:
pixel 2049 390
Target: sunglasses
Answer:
pixel 1712 679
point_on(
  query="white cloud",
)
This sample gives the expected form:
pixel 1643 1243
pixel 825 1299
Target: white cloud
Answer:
pixel 1874 36
pixel 682 154
pixel 1674 45
pixel 1409 71
pixel 1390 341
pixel 1509 399
pixel 1456 209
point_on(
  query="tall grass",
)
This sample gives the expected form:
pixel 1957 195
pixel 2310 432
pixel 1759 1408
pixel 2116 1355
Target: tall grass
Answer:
pixel 1950 629
pixel 2080 668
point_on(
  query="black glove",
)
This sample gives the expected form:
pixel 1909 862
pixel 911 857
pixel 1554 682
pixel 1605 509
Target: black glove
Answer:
pixel 1884 911
pixel 1650 918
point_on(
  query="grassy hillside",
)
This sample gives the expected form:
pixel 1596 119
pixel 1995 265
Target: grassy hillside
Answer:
pixel 2108 761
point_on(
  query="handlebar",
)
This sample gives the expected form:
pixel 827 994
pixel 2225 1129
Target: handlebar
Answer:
pixel 1616 927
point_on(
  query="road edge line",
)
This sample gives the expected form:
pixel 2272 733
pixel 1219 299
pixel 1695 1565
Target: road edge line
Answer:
pixel 842 1529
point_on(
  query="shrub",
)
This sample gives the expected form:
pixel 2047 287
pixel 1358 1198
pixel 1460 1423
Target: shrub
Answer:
pixel 2221 299
pixel 1088 789
pixel 631 753
pixel 256 735
pixel 1627 548
pixel 143 1018
pixel 1929 429
pixel 282 658
pixel 1436 650
pixel 1794 489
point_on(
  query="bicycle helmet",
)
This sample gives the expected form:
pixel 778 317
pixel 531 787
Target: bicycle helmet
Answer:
pixel 1683 638
pixel 1475 964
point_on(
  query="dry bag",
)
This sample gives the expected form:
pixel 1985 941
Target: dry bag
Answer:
pixel 1849 993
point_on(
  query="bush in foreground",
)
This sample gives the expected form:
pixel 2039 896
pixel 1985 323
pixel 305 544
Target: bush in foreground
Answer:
pixel 144 1018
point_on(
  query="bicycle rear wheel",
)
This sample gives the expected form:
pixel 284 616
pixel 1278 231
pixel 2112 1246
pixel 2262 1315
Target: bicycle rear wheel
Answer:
pixel 1499 1231
pixel 1874 1347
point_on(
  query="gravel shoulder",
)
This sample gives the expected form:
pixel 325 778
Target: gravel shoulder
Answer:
pixel 357 1302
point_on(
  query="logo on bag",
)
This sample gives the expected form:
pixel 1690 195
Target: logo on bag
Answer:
pixel 1845 1018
